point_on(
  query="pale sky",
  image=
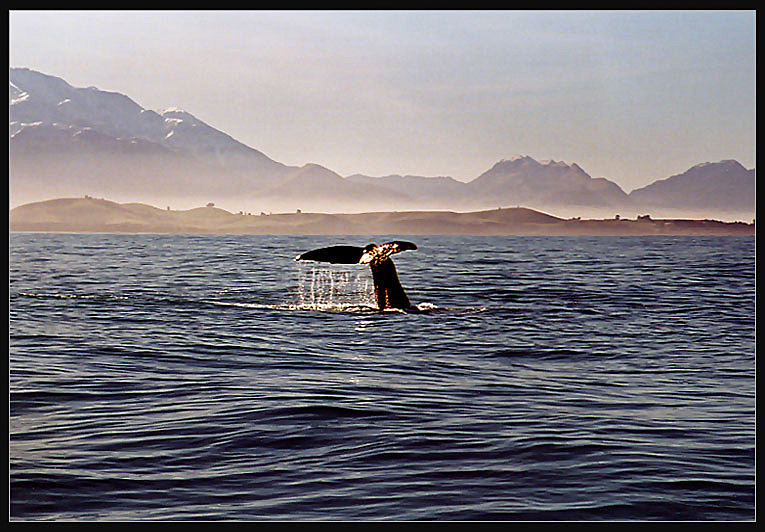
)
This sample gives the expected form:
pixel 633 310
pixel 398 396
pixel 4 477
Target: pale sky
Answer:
pixel 631 96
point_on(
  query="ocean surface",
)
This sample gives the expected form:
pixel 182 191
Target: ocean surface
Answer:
pixel 194 377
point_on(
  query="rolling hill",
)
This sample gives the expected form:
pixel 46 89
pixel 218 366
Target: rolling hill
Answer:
pixel 100 215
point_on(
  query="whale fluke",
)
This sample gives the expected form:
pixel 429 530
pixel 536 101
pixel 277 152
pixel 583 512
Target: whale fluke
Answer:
pixel 388 290
pixel 334 255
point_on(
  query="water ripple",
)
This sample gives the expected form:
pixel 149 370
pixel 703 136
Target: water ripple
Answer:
pixel 210 377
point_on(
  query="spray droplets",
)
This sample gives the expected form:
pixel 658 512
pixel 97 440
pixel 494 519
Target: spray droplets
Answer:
pixel 344 288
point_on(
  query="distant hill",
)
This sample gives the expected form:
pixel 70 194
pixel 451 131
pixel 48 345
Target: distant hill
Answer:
pixel 100 215
pixel 420 191
pixel 722 186
pixel 524 181
pixel 520 180
pixel 70 142
pixel 322 189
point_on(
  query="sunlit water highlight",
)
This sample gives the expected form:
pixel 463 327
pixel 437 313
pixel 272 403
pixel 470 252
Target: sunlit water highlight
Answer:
pixel 211 377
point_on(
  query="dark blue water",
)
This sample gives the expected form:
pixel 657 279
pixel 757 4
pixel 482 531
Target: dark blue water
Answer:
pixel 211 377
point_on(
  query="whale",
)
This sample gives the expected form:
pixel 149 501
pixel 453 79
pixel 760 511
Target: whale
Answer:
pixel 389 293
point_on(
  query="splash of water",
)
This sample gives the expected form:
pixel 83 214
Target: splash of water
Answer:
pixel 334 288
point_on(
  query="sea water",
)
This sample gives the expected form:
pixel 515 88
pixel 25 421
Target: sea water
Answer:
pixel 182 377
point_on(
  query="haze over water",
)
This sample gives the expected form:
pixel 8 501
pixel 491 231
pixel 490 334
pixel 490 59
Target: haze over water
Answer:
pixel 192 377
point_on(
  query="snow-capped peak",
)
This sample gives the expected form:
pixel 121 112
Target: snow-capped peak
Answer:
pixel 177 113
pixel 37 97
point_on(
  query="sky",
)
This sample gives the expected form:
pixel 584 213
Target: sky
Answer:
pixel 633 96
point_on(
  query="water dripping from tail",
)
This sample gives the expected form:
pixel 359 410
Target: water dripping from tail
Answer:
pixel 330 288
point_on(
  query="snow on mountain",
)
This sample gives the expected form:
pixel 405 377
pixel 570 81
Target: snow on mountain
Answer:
pixel 52 100
pixel 40 98
pixel 182 130
pixel 66 140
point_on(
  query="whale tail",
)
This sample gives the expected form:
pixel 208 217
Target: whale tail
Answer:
pixel 388 290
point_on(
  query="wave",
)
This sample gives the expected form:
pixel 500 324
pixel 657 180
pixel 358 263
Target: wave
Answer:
pixel 344 304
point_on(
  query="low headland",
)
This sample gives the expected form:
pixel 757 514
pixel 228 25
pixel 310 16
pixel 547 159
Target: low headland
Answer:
pixel 91 215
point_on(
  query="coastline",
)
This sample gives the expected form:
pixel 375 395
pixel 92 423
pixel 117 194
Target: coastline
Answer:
pixel 90 215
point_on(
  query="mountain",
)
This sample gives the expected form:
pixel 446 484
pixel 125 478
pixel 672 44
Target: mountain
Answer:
pixel 40 98
pixel 71 142
pixel 548 184
pixel 315 187
pixel 423 192
pixel 521 180
pixel 725 186
pixel 74 141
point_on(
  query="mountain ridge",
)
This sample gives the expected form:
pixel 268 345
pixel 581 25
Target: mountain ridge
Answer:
pixel 74 141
